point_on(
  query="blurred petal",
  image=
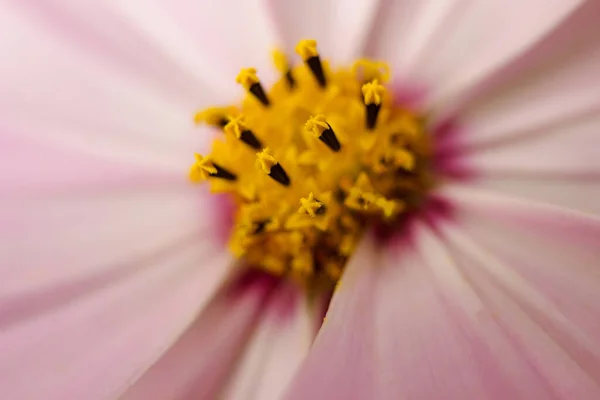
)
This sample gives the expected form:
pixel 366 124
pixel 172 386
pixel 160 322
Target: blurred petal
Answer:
pixel 447 317
pixel 280 343
pixel 85 216
pixel 575 193
pixel 340 363
pixel 113 326
pixel 558 165
pixel 532 132
pixel 102 89
pixel 340 27
pixel 546 85
pixel 214 39
pixel 199 363
pixel 562 150
pixel 98 259
pixel 546 260
pixel 451 47
pixel 555 92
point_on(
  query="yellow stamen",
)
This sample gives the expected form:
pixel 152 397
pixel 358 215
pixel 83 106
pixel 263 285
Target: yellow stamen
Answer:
pixel 310 206
pixel 236 126
pixel 249 81
pixel 247 77
pixel 307 224
pixel 307 49
pixel 316 125
pixel 202 168
pixel 373 92
pixel 265 160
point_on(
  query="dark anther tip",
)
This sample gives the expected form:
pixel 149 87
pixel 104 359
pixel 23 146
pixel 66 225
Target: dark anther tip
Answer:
pixel 328 137
pixel 314 63
pixel 251 140
pixel 222 173
pixel 257 90
pixel 279 174
pixel 372 112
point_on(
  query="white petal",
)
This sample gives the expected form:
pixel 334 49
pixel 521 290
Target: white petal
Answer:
pixel 567 149
pixel 84 78
pixel 452 46
pixel 549 88
pixel 341 28
pixel 277 348
pixel 341 361
pixel 98 259
pixel 200 362
pixel 89 345
pixel 217 39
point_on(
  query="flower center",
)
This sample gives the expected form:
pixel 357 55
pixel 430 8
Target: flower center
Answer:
pixel 313 162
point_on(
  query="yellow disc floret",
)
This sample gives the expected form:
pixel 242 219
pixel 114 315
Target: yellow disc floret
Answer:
pixel 373 92
pixel 265 160
pixel 307 49
pixel 333 155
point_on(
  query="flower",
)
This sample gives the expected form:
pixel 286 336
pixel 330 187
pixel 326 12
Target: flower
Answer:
pixel 115 277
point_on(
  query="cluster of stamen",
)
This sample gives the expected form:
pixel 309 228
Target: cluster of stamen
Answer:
pixel 332 155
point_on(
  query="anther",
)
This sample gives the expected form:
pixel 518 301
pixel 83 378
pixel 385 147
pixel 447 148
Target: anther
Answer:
pixel 205 168
pixel 248 79
pixel 372 96
pixel 307 49
pixel 282 65
pixel 238 128
pixel 311 206
pixel 215 116
pixel 222 173
pixel 319 127
pixel 269 165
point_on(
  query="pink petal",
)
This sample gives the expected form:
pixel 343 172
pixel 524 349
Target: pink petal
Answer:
pixel 98 259
pixel 214 39
pixel 563 150
pixel 548 268
pixel 88 341
pixel 280 343
pixel 199 363
pixel 72 81
pixel 449 317
pixel 340 27
pixel 340 363
pixel 557 165
pixel 549 89
pixel 531 133
pixel 453 46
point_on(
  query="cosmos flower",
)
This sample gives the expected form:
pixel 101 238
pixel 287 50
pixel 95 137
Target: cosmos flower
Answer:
pixel 433 164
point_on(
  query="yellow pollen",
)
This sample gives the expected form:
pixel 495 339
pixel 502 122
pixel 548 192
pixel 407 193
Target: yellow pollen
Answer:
pixel 265 160
pixel 301 212
pixel 235 126
pixel 373 92
pixel 309 205
pixel 316 125
pixel 307 48
pixel 201 169
pixel 247 77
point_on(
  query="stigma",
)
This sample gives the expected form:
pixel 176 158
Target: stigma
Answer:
pixel 313 162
